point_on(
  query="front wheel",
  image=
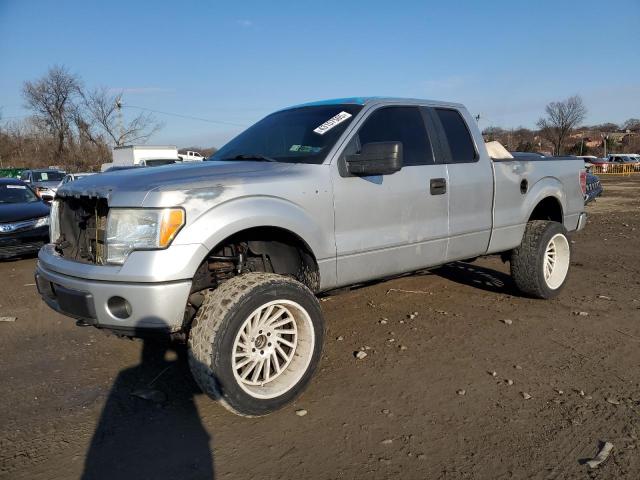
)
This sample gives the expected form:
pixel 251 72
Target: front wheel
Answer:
pixel 539 266
pixel 255 342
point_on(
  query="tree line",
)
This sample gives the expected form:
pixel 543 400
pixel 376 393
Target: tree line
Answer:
pixel 70 125
pixel 74 127
pixel 561 132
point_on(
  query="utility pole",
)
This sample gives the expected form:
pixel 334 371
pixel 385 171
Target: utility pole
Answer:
pixel 120 124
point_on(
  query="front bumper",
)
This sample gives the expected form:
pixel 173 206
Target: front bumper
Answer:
pixel 152 307
pixel 23 242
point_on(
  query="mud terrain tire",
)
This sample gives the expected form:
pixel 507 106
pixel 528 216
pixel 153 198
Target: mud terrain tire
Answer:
pixel 540 265
pixel 256 321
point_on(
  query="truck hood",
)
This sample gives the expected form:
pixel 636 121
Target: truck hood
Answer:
pixel 131 187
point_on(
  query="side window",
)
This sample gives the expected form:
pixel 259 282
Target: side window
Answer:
pixel 398 124
pixel 24 176
pixel 458 136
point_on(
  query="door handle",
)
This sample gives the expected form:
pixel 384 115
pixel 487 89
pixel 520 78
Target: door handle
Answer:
pixel 438 186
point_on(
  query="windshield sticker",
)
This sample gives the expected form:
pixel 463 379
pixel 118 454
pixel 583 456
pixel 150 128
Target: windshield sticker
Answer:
pixel 19 187
pixel 332 122
pixel 304 149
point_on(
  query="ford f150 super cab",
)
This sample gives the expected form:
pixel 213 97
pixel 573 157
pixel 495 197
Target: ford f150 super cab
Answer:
pixel 228 253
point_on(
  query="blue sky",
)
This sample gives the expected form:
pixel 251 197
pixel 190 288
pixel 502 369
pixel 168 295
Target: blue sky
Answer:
pixel 237 61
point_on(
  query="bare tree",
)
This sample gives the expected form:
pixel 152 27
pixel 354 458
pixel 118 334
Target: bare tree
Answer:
pixel 562 117
pixel 632 124
pixel 86 129
pixel 102 107
pixel 51 98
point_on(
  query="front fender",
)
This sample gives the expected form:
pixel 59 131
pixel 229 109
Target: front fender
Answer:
pixel 235 215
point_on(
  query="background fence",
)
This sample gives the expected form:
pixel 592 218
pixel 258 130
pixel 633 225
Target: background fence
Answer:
pixel 613 169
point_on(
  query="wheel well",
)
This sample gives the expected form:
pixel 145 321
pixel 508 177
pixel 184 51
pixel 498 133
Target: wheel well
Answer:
pixel 259 249
pixel 548 209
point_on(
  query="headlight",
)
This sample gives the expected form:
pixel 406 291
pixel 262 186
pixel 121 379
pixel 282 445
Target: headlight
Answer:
pixel 54 221
pixel 130 229
pixel 41 222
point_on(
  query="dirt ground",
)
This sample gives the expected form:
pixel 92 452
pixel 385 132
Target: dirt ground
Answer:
pixel 66 409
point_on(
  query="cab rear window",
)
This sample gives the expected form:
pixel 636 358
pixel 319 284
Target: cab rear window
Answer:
pixel 458 136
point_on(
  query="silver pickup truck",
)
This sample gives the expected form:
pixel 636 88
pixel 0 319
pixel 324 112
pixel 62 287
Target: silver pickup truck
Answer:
pixel 229 253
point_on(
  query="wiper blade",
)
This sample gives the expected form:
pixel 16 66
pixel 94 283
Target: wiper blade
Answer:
pixel 251 156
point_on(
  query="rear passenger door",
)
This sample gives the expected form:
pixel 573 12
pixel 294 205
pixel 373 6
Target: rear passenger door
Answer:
pixel 395 223
pixel 470 183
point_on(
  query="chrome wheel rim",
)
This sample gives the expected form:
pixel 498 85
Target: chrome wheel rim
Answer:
pixel 556 261
pixel 273 349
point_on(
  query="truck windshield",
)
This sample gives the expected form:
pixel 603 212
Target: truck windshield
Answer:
pixel 297 135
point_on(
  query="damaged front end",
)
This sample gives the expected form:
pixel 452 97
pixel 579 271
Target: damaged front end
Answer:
pixel 78 228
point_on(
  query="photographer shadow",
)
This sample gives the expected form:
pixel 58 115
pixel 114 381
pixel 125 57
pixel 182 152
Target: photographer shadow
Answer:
pixel 150 427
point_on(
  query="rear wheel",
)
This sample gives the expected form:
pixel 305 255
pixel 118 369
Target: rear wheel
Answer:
pixel 540 265
pixel 256 341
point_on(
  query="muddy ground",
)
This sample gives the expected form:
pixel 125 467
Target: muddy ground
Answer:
pixel 66 407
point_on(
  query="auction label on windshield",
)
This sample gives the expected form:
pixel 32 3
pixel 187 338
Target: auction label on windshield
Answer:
pixel 332 122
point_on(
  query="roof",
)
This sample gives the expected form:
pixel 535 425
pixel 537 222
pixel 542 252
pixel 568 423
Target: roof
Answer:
pixel 370 100
pixel 11 181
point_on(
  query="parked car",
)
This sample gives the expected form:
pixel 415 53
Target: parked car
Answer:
pixel 229 252
pixel 624 159
pixel 24 219
pixel 603 164
pixel 191 156
pixel 43 181
pixel 72 177
pixel 594 188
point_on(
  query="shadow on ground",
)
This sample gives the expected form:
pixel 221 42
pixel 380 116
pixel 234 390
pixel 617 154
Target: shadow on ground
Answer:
pixel 479 277
pixel 150 427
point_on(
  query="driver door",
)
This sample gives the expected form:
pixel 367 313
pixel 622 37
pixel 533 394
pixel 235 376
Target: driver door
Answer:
pixel 390 224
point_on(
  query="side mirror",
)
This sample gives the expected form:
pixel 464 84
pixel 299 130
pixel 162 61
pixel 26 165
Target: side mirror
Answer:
pixel 376 158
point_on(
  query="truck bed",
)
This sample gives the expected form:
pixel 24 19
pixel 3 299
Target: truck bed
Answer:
pixel 513 200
